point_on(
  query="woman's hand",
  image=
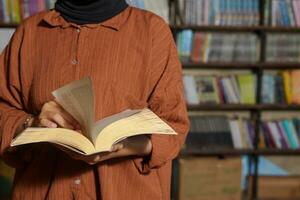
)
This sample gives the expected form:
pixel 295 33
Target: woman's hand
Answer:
pixel 134 146
pixel 53 116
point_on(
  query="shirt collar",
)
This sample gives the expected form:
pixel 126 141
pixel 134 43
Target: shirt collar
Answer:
pixel 54 19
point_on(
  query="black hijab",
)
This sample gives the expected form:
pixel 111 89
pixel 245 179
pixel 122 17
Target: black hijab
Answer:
pixel 89 11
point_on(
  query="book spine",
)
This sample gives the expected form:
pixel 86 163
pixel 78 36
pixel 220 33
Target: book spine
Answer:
pixel 248 134
pixel 6 9
pixel 236 134
pixel 178 43
pixel 230 88
pixel 296 9
pixel 206 11
pixel 190 89
pixel 296 123
pixel 294 134
pixel 220 90
pixel 295 83
pixel 287 86
pixel 283 137
pixel 274 13
pixel 298 18
pixel 217 12
pixel 205 49
pixel 32 7
pixel 275 134
pixel 216 90
pixel 289 133
pixel 256 12
pixel 1 11
pixel 42 5
pixel 284 13
pixel 266 12
pixel 279 90
pixel 226 90
pixel 200 12
pixel 291 13
pixel 251 131
pixel 196 53
pixel 270 139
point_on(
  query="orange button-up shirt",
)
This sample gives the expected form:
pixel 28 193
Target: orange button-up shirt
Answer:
pixel 133 63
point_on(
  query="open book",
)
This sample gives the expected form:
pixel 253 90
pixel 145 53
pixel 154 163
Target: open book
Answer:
pixel 77 98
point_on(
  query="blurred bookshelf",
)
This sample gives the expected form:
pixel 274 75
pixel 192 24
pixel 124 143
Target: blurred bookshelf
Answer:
pixel 239 66
pixel 4 25
pixel 197 33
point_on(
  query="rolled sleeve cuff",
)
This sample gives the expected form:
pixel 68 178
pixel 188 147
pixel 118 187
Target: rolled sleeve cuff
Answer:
pixel 158 157
pixel 9 127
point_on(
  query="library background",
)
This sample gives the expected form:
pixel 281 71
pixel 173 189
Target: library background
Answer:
pixel 241 74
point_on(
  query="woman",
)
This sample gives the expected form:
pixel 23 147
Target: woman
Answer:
pixel 132 60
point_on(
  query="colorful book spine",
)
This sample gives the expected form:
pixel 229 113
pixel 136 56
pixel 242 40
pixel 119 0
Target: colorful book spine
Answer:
pixel 197 47
pixel 275 134
pixel 290 12
pixel 296 9
pixel 283 137
pixel 288 130
pixel 284 13
pixel 6 14
pixel 1 11
pixel 287 86
pixel 295 83
pixel 274 13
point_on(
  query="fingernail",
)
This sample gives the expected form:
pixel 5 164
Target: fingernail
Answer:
pixel 113 149
pixel 53 125
pixel 97 158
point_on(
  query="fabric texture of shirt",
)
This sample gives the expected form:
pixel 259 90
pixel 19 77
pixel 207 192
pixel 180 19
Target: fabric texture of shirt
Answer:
pixel 133 63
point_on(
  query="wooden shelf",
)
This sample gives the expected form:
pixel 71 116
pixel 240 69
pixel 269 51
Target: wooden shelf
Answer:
pixel 241 107
pixel 3 25
pixel 239 152
pixel 213 28
pixel 240 66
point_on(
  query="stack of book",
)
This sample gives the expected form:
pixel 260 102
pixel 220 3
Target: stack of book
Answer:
pixel 213 89
pixel 217 47
pixel 282 13
pixel 14 11
pixel 220 12
pixel 281 134
pixel 281 88
pixel 219 132
pixel 283 47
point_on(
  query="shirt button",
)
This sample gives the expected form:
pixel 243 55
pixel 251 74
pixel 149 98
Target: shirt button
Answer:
pixel 77 181
pixel 78 30
pixel 74 61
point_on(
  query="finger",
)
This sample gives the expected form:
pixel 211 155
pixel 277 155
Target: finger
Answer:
pixel 58 119
pixel 70 120
pixel 48 123
pixel 117 147
pixel 96 159
pixel 67 116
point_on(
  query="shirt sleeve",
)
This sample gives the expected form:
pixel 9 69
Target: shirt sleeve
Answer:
pixel 12 100
pixel 166 100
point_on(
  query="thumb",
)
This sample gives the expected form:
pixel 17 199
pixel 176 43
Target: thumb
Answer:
pixel 117 147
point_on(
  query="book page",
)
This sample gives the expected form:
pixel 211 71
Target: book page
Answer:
pixel 144 122
pixel 77 98
pixel 101 124
pixel 67 138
